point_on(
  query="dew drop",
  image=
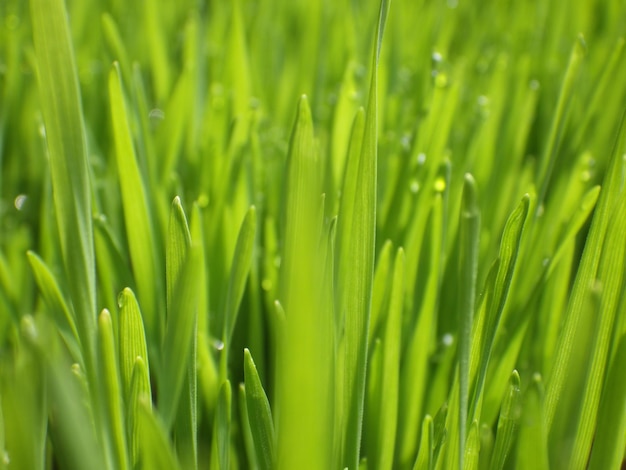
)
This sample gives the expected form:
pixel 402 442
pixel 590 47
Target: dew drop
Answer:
pixel 218 345
pixel 19 202
pixel 414 187
pixel 437 57
pixel 440 184
pixel 534 84
pixel 447 339
pixel 421 158
pixel 156 113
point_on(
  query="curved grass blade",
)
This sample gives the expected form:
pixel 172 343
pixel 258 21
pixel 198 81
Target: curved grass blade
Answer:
pixel 112 392
pixel 260 415
pixel 139 229
pixel 67 148
pixel 51 293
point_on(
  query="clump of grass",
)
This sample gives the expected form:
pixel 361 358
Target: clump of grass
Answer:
pixel 277 234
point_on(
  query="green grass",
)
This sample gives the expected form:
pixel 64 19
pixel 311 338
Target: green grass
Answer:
pixel 312 235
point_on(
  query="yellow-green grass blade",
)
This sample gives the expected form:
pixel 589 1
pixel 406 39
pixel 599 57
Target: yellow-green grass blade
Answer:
pixel 532 442
pixel 248 440
pixel 112 396
pixel 178 243
pixel 132 340
pixel 137 216
pixel 546 165
pixel 179 337
pixel 357 263
pixel 259 415
pixel 415 381
pixel 391 368
pixel 115 43
pixel 425 452
pixel 67 148
pixel 158 54
pixel 139 387
pixel 380 288
pixel 585 276
pixel 608 446
pixel 304 356
pixel 220 447
pixel 56 303
pixel 507 423
pixel 509 248
pixel 468 270
pixel 155 449
pixel 472 448
pixel 611 275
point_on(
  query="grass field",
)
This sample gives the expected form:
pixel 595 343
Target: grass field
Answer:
pixel 301 234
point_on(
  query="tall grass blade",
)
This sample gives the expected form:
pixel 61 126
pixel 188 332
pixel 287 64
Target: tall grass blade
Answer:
pixel 260 416
pixel 507 423
pixel 220 448
pixel 67 148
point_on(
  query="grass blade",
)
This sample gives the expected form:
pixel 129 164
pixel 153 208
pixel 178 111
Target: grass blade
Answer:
pixel 112 391
pixel 67 147
pixel 424 459
pixel 140 234
pixel 139 387
pixel 356 262
pixel 260 415
pixel 220 448
pixel 155 450
pixel 507 423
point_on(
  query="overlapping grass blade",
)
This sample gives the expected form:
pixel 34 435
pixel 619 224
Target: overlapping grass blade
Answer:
pixel 67 148
pixel 220 448
pixel 139 395
pixel 137 213
pixel 155 450
pixel 260 416
pixel 507 423
pixel 468 267
pixel 112 396
pixel 532 445
pixel 51 293
pixel 132 340
pixel 424 459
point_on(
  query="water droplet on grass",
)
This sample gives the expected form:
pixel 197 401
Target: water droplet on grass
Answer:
pixel 156 114
pixel 19 202
pixel 421 158
pixel 447 339
pixel 414 187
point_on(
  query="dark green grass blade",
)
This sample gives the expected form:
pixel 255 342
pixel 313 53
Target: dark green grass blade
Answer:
pixel 67 147
pixel 260 415
pixel 507 423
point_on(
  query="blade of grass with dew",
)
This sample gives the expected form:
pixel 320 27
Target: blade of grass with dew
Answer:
pixel 425 451
pixel 468 270
pixel 132 340
pixel 139 387
pixel 57 305
pixel 260 416
pixel 181 321
pixel 137 214
pixel 240 269
pixel 509 247
pixel 67 148
pixel 391 368
pixel 586 274
pixel 112 391
pixel 220 447
pixel 356 281
pixel 305 355
pixel 507 423
pixel 609 442
pixel 155 449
